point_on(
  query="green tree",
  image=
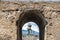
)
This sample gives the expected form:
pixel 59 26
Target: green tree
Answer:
pixel 29 29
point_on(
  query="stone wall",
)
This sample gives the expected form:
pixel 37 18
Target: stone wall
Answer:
pixel 9 14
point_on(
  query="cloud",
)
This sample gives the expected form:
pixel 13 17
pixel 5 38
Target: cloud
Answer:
pixel 34 26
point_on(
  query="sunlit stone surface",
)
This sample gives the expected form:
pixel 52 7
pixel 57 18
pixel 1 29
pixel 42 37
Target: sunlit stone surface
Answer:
pixel 51 12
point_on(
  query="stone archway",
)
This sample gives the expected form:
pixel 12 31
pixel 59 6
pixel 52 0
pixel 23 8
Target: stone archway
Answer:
pixel 34 16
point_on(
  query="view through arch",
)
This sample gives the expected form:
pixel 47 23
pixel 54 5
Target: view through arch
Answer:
pixel 30 31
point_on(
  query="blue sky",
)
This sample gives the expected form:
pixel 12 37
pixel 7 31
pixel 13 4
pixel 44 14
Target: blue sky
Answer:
pixel 30 0
pixel 34 26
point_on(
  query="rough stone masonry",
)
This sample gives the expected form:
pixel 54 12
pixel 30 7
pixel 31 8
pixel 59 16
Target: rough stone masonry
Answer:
pixel 9 14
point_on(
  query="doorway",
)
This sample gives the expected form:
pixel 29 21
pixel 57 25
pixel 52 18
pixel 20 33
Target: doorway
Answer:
pixel 30 31
pixel 34 16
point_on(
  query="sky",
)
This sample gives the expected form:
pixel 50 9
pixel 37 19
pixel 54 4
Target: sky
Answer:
pixel 34 26
pixel 30 0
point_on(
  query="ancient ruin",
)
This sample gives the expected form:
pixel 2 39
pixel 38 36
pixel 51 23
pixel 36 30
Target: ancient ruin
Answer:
pixel 13 15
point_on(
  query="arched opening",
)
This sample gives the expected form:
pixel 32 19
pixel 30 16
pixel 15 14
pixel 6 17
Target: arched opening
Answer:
pixel 30 31
pixel 31 16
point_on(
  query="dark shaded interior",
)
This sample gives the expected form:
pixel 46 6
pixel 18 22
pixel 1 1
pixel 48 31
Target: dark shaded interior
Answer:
pixel 33 16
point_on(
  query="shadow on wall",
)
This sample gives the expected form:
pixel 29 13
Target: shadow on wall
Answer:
pixel 33 16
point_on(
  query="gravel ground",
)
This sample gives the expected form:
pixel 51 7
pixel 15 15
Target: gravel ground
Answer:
pixel 30 38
